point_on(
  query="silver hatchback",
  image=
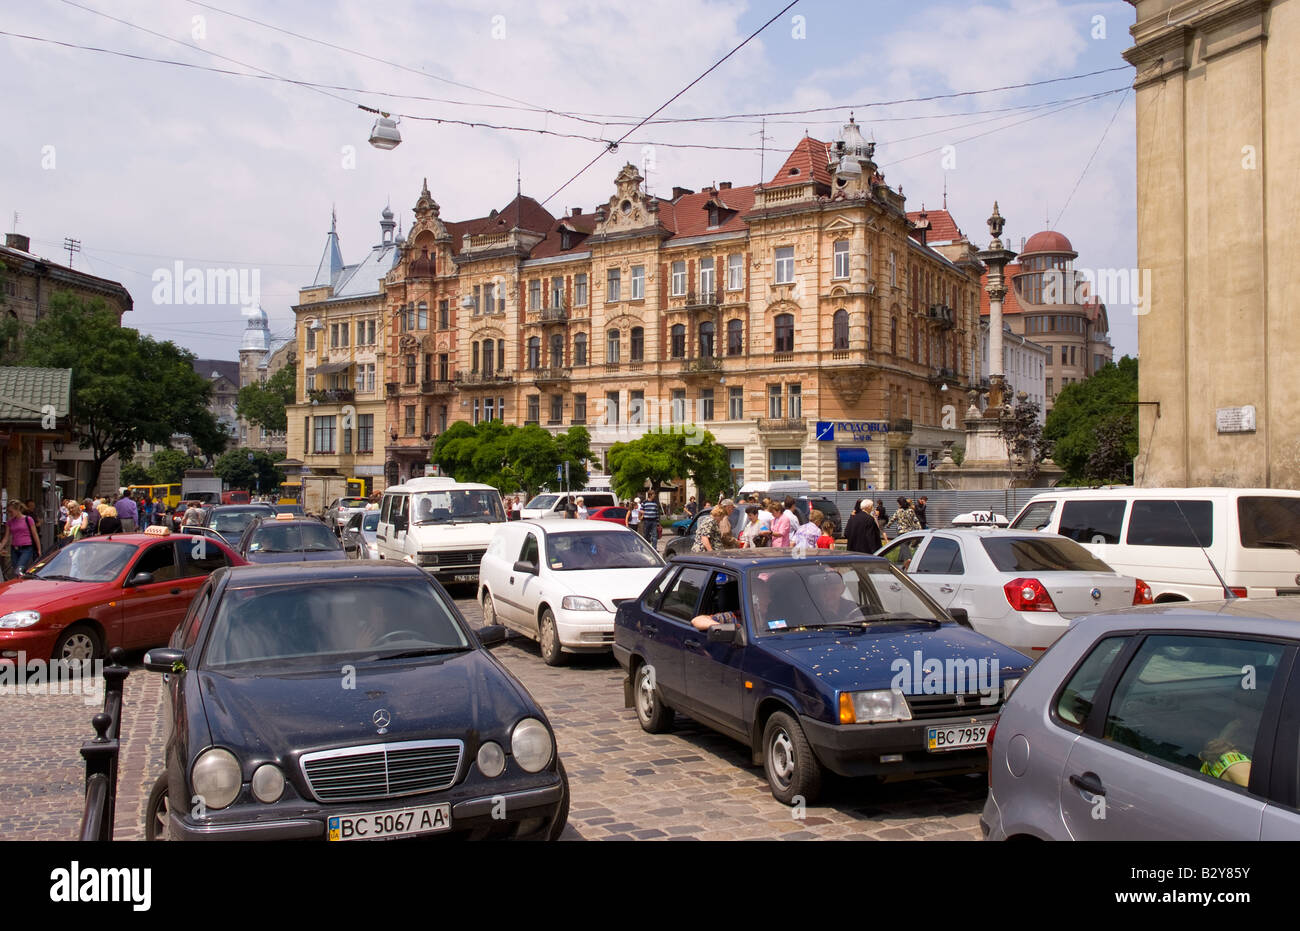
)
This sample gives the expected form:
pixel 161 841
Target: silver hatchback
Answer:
pixel 1169 722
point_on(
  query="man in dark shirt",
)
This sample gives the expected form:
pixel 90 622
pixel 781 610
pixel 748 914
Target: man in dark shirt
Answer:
pixel 920 511
pixel 862 533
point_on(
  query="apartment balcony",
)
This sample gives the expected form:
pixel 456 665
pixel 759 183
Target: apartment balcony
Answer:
pixel 558 313
pixel 901 425
pixel 783 425
pixel 472 379
pixel 701 367
pixel 701 300
pixel 437 386
pixel 332 395
pixel 783 356
pixel 392 389
pixel 943 315
pixel 550 375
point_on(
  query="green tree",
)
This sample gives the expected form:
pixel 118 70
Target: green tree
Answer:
pixel 1093 425
pixel 511 458
pixel 169 465
pixel 238 470
pixel 266 404
pixel 135 474
pixel 127 389
pixel 663 457
pixel 1023 436
pixel 574 447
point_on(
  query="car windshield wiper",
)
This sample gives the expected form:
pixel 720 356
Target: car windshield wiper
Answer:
pixel 426 651
pixel 59 578
pixel 874 618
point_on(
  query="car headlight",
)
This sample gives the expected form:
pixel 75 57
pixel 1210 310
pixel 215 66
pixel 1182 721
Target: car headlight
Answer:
pixel 216 777
pixel 1009 686
pixel 581 603
pixel 531 745
pixel 874 707
pixel 268 783
pixel 20 619
pixel 491 759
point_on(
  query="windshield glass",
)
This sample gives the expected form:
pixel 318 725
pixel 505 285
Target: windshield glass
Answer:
pixel 1269 522
pixel 234 523
pixel 457 507
pixel 271 537
pixel 312 626
pixel 588 550
pixel 87 562
pixel 1035 554
pixel 370 522
pixel 352 502
pixel 817 594
pixel 543 502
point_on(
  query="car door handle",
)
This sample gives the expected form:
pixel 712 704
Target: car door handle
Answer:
pixel 691 643
pixel 650 630
pixel 512 580
pixel 176 591
pixel 1088 782
pixel 946 589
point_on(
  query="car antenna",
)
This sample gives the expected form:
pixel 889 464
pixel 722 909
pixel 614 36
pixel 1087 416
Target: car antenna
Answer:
pixel 1228 593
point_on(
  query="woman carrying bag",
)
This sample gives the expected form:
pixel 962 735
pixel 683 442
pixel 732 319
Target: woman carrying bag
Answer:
pixel 24 542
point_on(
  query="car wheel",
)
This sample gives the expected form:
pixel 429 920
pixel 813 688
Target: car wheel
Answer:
pixel 654 715
pixel 157 812
pixel 489 610
pixel 792 770
pixel 550 640
pixel 562 815
pixel 78 642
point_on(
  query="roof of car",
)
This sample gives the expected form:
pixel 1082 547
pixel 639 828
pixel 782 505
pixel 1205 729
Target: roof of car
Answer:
pixel 767 556
pixel 1275 616
pixel 568 526
pixel 323 570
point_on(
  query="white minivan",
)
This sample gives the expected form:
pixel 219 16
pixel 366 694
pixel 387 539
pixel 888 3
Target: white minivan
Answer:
pixel 1157 534
pixel 549 505
pixel 441 525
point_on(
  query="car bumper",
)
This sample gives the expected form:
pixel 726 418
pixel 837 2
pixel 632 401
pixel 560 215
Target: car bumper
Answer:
pixel 991 820
pixel 527 813
pixel 896 748
pixel 585 631
pixel 35 642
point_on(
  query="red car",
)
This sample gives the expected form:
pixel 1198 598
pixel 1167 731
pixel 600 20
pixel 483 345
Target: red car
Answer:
pixel 611 515
pixel 124 589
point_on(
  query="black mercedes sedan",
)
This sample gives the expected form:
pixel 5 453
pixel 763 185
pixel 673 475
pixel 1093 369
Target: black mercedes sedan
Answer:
pixel 346 701
pixel 285 538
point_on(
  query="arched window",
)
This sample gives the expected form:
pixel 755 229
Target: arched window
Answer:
pixel 784 333
pixel 735 337
pixel 534 352
pixel 557 350
pixel 707 332
pixel 678 340
pixel 611 346
pixel 638 344
pixel 487 357
pixel 841 329
pixel 580 349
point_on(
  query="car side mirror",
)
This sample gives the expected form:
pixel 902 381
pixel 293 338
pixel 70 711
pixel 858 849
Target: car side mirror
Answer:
pixel 525 566
pixel 492 634
pixel 961 616
pixel 140 578
pixel 164 659
pixel 723 633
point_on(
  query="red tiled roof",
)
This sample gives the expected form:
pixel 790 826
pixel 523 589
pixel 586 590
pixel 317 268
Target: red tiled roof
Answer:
pixel 1009 303
pixel 580 227
pixel 810 157
pixel 522 211
pixel 943 228
pixel 691 214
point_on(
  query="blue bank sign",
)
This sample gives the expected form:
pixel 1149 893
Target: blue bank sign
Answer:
pixel 856 430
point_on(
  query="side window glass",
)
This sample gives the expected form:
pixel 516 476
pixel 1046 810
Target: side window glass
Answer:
pixel 682 598
pixel 1171 523
pixel 1195 703
pixel 1036 517
pixel 386 511
pixel 199 556
pixel 652 597
pixel 1092 521
pixel 159 559
pixel 941 557
pixel 723 594
pixel 528 552
pixel 1075 701
pixel 194 619
pixel 900 553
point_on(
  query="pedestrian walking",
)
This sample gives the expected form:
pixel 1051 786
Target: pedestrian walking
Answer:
pixel 127 512
pixel 92 517
pixel 905 517
pixel 708 532
pixel 25 541
pixel 650 520
pixel 634 516
pixel 582 509
pixel 920 512
pixel 862 532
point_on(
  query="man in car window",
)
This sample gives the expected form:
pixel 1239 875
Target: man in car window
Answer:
pixel 827 588
pixel 425 510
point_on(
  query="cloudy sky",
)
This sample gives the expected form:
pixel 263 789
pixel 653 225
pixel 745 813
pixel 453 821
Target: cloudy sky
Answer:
pixel 151 164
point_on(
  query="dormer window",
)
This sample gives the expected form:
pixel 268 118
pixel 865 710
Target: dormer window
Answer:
pixel 713 215
pixel 566 239
pixel 793 172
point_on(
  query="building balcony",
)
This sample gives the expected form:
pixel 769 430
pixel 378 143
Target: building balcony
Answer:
pixel 782 425
pixel 437 386
pixel 900 425
pixel 783 356
pixel 701 366
pixel 701 300
pixel 550 375
pixel 392 389
pixel 484 378
pixel 943 315
pixel 332 395
pixel 554 314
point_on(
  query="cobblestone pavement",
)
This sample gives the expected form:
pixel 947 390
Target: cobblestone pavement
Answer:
pixel 626 784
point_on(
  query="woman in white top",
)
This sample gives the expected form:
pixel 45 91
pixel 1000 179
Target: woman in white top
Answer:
pixel 582 509
pixel 634 515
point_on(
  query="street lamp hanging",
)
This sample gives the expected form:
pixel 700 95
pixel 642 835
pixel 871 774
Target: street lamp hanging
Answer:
pixel 384 134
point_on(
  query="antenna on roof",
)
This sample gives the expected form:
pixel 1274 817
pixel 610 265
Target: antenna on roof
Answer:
pixel 945 190
pixel 763 139
pixel 518 192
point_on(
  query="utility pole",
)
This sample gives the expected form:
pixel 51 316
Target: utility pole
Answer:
pixel 71 246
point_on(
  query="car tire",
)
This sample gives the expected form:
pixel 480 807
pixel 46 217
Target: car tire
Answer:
pixel 562 815
pixel 654 716
pixel 548 636
pixel 157 812
pixel 489 610
pixel 79 642
pixel 792 770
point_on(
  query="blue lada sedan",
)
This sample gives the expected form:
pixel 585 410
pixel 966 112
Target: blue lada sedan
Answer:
pixel 832 661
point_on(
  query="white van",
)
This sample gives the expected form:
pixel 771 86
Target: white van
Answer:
pixel 781 489
pixel 1156 534
pixel 441 525
pixel 549 505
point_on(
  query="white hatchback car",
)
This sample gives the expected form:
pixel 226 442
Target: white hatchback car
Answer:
pixel 560 582
pixel 1019 587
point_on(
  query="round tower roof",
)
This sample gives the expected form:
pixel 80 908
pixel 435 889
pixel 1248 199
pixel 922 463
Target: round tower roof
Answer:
pixel 1047 241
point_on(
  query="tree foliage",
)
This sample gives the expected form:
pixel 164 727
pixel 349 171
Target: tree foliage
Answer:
pixel 127 389
pixel 168 466
pixel 266 404
pixel 660 458
pixel 237 470
pixel 1093 426
pixel 1023 436
pixel 135 474
pixel 512 458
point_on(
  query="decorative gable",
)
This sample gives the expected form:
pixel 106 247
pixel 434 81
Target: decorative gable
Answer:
pixel 630 208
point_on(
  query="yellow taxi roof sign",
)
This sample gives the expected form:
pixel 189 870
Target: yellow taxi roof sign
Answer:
pixel 158 530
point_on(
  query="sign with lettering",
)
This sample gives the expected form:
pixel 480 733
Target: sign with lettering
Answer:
pixel 857 430
pixel 1236 419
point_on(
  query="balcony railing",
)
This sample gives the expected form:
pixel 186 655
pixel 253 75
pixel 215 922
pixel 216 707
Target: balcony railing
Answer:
pixel 391 389
pixel 942 314
pixel 701 365
pixel 695 299
pixel 437 386
pixel 783 357
pixel 782 425
pixel 553 314
pixel 484 378
pixel 900 425
pixel 332 395
pixel 551 374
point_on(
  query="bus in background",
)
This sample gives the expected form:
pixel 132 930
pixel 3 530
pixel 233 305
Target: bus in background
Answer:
pixel 169 494
pixel 356 488
pixel 290 493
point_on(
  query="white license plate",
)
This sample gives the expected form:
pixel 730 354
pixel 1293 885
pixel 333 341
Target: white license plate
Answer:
pixel 956 737
pixel 399 823
pixel 464 578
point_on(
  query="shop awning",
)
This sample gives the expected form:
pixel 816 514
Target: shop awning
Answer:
pixel 852 454
pixel 332 368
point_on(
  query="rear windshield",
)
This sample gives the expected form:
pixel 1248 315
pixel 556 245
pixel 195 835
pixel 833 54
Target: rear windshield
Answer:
pixel 542 501
pixel 353 502
pixel 273 537
pixel 1036 554
pixel 1269 522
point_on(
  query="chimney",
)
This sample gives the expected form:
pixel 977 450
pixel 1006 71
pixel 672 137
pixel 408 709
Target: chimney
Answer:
pixel 724 186
pixel 18 241
pixel 575 211
pixel 679 192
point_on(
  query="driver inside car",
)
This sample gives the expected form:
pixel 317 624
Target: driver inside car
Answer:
pixel 828 593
